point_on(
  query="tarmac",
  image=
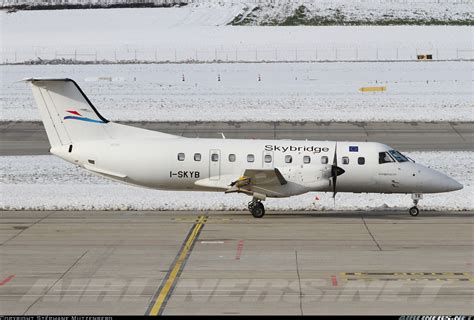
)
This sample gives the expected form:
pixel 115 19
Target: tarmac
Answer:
pixel 229 263
pixel 129 262
pixel 29 138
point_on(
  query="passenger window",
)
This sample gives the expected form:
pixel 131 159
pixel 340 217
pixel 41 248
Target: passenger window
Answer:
pixel 250 158
pixel 197 157
pixel 345 160
pixel 288 159
pixel 306 159
pixel 231 157
pixel 181 156
pixel 268 158
pixel 324 160
pixel 214 157
pixel 361 160
pixel 384 157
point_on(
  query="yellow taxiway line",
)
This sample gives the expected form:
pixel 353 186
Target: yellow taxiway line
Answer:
pixel 161 297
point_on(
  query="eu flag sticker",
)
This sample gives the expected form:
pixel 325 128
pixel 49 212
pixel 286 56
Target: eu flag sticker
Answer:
pixel 353 149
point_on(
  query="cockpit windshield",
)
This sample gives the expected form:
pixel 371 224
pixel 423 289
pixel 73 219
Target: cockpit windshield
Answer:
pixel 384 157
pixel 398 156
pixel 392 156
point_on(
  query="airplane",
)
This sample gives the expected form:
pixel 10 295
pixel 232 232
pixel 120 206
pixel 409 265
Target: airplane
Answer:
pixel 262 169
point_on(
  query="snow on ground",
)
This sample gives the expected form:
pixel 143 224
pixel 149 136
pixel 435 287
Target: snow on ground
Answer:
pixel 49 183
pixel 355 12
pixel 416 91
pixel 196 33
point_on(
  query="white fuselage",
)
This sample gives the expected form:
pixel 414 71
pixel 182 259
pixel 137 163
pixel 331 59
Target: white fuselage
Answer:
pixel 176 163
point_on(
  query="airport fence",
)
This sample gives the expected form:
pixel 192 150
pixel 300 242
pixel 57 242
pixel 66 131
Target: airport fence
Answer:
pixel 182 55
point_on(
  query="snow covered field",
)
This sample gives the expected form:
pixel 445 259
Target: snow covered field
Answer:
pixel 49 183
pixel 199 33
pixel 344 12
pixel 355 12
pixel 416 91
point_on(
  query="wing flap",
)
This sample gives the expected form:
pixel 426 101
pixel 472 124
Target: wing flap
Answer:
pixel 264 176
pixel 257 179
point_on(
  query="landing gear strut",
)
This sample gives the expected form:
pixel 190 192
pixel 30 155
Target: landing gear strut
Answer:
pixel 414 211
pixel 256 208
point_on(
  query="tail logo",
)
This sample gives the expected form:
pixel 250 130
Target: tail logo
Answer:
pixel 78 116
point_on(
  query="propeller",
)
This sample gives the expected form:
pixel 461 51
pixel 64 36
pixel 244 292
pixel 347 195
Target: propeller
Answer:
pixel 335 171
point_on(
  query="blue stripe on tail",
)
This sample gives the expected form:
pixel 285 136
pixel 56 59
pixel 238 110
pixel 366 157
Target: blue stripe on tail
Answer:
pixel 83 119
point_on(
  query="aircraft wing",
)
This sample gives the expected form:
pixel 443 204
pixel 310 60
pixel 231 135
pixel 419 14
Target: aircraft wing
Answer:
pixel 257 177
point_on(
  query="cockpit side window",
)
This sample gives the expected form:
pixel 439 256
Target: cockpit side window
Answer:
pixel 384 157
pixel 398 156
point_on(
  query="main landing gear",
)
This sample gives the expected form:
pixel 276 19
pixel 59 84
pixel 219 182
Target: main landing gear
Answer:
pixel 414 211
pixel 256 208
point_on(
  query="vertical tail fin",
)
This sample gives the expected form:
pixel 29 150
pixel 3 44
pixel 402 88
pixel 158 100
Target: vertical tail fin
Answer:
pixel 67 114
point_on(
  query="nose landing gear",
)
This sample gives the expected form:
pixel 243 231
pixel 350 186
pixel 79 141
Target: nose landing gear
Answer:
pixel 256 208
pixel 414 211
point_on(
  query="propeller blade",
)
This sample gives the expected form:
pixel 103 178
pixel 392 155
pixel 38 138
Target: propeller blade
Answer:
pixel 334 172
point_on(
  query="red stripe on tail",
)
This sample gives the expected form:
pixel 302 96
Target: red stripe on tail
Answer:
pixel 74 112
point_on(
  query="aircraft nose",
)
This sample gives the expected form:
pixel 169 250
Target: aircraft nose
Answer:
pixel 438 182
pixel 452 185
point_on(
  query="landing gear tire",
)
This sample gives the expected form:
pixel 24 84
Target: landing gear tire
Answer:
pixel 257 209
pixel 251 205
pixel 414 211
